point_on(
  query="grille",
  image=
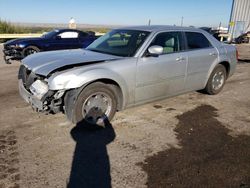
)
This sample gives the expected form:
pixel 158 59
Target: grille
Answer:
pixel 27 76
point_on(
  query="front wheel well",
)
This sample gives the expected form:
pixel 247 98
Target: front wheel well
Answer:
pixel 32 46
pixel 227 66
pixel 36 48
pixel 116 87
pixel 71 96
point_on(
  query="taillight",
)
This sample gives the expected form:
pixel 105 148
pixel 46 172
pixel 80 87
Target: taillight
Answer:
pixel 237 54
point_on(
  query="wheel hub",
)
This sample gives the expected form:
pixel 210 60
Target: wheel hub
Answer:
pixel 96 107
pixel 218 80
pixel 31 51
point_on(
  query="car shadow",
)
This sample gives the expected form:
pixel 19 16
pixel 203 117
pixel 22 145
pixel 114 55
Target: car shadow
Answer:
pixel 90 165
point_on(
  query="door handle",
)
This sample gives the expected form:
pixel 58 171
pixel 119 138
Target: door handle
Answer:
pixel 212 54
pixel 180 58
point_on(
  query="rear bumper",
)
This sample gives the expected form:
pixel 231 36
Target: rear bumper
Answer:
pixel 36 104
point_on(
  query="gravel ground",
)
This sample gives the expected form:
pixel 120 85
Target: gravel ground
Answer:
pixel 193 140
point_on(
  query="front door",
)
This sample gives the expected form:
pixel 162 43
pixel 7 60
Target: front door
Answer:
pixel 162 76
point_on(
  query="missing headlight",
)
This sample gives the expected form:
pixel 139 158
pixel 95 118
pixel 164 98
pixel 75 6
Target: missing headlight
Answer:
pixel 39 89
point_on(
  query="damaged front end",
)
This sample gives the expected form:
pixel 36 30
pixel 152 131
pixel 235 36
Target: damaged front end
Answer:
pixel 12 52
pixel 34 90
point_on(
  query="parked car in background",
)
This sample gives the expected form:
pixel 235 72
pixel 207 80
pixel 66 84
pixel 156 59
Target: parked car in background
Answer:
pixel 243 46
pixel 124 68
pixel 244 38
pixel 59 39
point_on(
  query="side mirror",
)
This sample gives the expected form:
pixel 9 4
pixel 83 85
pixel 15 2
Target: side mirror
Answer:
pixel 155 50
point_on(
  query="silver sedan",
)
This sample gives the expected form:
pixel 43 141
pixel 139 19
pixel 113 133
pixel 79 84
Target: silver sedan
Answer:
pixel 124 68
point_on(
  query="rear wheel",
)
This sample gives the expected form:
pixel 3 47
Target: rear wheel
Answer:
pixel 96 104
pixel 30 50
pixel 216 80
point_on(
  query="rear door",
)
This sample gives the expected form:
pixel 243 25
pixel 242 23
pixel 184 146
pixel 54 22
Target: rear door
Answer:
pixel 164 75
pixel 201 55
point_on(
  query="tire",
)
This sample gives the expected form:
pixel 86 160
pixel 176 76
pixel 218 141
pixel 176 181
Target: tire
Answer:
pixel 216 80
pixel 96 104
pixel 30 50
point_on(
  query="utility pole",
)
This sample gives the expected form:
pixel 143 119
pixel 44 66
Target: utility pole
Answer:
pixel 219 26
pixel 182 18
pixel 149 22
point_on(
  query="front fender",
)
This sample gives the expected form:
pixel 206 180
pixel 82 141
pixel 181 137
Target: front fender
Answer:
pixel 66 81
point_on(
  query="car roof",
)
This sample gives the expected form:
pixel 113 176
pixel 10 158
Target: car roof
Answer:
pixel 155 28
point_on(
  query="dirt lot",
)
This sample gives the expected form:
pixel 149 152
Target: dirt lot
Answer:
pixel 193 140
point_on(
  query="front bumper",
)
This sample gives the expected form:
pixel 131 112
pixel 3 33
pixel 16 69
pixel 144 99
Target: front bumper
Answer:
pixel 36 104
pixel 48 104
pixel 12 54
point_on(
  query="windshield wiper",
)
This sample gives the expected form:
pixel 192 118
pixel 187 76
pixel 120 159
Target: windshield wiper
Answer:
pixel 103 52
pixel 94 50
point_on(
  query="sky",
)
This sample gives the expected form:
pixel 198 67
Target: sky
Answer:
pixel 114 12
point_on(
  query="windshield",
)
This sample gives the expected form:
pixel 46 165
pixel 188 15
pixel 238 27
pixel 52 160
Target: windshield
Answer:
pixel 50 34
pixel 119 42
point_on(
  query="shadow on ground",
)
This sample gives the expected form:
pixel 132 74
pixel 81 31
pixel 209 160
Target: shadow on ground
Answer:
pixel 91 166
pixel 209 157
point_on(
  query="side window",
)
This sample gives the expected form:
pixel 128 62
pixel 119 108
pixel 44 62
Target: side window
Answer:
pixel 196 40
pixel 68 34
pixel 170 41
pixel 83 34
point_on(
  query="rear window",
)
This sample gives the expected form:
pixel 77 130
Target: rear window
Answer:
pixel 197 40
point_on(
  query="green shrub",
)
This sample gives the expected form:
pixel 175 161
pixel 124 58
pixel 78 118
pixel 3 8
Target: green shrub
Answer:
pixel 6 27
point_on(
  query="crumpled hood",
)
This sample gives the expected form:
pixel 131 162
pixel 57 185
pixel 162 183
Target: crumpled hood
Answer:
pixel 44 63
